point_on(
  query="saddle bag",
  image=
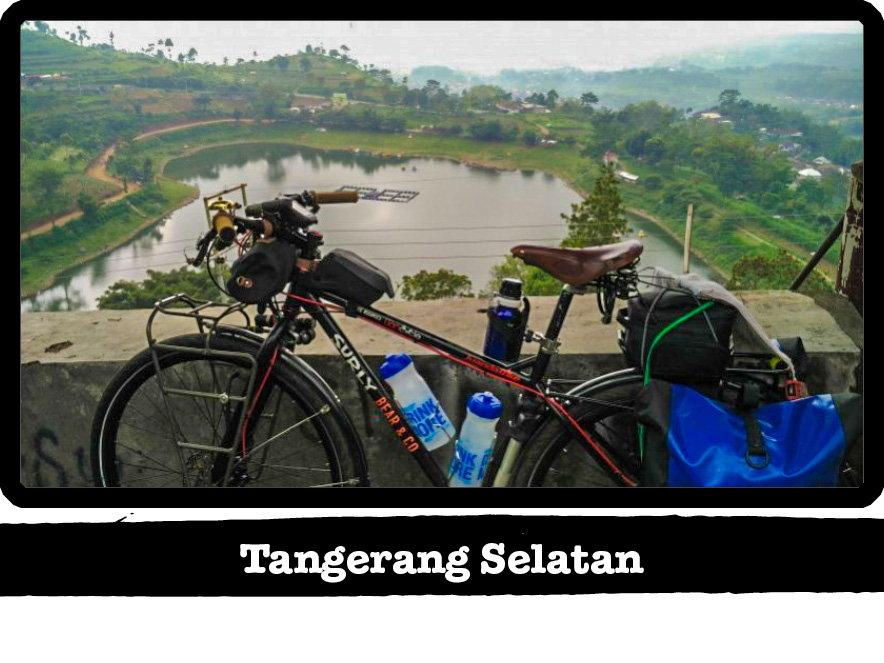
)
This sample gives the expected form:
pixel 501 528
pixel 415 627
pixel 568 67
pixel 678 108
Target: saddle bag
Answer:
pixel 696 350
pixel 345 274
pixel 690 440
pixel 262 272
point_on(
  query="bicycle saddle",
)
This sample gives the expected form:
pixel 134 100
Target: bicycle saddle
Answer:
pixel 579 266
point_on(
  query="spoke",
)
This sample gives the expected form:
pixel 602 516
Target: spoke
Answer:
pixel 141 454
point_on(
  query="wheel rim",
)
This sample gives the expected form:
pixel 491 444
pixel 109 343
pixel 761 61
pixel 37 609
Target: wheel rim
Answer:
pixel 137 445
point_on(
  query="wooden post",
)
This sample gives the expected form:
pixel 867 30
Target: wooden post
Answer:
pixel 687 239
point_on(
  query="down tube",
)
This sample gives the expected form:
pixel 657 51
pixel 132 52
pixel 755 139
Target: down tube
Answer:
pixel 381 397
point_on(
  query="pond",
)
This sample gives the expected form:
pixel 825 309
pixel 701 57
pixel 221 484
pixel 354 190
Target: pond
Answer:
pixel 464 218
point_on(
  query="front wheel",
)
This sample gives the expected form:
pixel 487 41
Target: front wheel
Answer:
pixel 296 439
pixel 555 458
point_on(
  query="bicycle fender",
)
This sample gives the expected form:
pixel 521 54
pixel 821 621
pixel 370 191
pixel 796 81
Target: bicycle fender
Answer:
pixel 316 381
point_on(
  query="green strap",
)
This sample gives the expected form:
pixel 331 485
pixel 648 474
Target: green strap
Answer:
pixel 666 330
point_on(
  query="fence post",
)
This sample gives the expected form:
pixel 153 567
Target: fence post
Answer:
pixel 849 281
pixel 687 239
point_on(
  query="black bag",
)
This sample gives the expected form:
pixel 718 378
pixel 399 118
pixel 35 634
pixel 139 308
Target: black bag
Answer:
pixel 345 274
pixel 697 350
pixel 262 272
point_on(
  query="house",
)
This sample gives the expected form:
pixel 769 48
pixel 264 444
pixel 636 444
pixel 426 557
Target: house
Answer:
pixel 339 99
pixel 710 116
pixel 610 157
pixel 809 172
pixel 793 133
pixel 821 161
pixel 627 177
pixel 789 146
pixel 305 102
pixel 509 107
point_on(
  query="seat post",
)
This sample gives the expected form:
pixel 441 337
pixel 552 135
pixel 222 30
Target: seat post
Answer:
pixel 552 332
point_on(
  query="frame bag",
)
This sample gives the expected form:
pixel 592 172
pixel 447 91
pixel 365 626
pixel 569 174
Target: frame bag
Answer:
pixel 690 440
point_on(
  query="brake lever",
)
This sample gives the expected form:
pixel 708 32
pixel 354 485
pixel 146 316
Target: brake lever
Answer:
pixel 203 245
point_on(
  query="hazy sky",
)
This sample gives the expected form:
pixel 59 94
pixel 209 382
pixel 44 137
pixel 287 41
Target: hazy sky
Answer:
pixel 481 47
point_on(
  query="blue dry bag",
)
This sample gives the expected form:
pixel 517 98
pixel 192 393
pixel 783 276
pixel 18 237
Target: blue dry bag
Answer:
pixel 692 440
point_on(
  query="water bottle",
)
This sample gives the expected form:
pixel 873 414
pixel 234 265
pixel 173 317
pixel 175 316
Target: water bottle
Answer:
pixel 421 408
pixel 506 322
pixel 473 447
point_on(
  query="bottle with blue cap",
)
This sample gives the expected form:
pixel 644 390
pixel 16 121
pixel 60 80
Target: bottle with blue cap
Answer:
pixel 473 448
pixel 422 409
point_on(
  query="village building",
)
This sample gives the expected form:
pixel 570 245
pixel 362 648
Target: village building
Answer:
pixel 627 177
pixel 610 157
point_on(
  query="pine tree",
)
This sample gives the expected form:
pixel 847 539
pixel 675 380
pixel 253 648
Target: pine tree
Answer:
pixel 598 218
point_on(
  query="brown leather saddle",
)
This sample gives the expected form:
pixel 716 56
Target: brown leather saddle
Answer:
pixel 579 266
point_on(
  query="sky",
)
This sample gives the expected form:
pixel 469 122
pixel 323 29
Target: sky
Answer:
pixel 479 47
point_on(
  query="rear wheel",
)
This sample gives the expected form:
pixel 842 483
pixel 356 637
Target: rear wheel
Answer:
pixel 554 458
pixel 296 439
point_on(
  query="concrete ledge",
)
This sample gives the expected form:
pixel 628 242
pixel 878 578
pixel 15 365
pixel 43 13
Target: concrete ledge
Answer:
pixel 60 390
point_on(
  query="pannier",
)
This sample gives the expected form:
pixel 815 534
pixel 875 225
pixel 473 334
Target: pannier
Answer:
pixel 345 274
pixel 690 440
pixel 262 272
pixel 696 350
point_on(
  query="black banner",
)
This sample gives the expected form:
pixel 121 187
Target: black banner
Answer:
pixel 465 555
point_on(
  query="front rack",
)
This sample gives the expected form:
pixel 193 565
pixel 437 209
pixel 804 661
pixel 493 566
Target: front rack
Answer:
pixel 208 318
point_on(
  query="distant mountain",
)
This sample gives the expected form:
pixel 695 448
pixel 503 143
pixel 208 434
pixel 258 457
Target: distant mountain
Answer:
pixel 817 74
pixel 840 51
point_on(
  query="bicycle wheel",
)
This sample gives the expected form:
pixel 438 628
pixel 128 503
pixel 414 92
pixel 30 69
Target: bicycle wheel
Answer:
pixel 554 458
pixel 297 440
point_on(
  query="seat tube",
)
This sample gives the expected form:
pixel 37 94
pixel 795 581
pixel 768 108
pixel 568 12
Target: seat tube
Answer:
pixel 523 428
pixel 552 333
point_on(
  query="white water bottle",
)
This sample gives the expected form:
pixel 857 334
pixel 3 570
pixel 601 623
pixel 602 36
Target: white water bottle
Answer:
pixel 421 407
pixel 473 448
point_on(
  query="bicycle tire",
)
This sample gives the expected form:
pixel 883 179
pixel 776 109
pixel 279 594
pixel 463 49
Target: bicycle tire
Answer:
pixel 553 457
pixel 126 449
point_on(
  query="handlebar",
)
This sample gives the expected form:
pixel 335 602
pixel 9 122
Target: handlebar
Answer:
pixel 286 217
pixel 333 197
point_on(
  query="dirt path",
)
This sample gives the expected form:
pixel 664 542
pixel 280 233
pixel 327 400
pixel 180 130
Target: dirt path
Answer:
pixel 98 170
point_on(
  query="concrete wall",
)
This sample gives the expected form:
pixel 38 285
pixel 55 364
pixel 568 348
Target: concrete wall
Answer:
pixel 61 387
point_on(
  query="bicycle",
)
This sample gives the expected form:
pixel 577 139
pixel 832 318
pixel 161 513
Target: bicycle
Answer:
pixel 223 407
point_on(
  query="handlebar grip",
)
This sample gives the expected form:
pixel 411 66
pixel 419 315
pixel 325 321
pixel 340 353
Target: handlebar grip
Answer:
pixel 332 197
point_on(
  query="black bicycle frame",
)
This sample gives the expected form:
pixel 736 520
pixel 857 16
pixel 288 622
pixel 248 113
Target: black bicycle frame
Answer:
pixel 383 399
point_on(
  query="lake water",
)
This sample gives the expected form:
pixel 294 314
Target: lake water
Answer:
pixel 464 218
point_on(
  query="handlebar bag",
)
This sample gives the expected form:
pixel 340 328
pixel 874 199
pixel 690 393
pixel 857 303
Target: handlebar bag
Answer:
pixel 345 274
pixel 694 441
pixel 697 350
pixel 262 272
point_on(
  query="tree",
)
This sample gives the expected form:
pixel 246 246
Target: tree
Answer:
pixel 304 64
pixel 552 98
pixel 47 180
pixel 157 285
pixel 529 138
pixel 588 99
pixel 442 284
pixel 535 282
pixel 728 98
pixel 191 54
pixel 759 272
pixel 202 102
pixel 599 217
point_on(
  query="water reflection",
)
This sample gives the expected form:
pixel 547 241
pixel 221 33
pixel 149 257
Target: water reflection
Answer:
pixel 465 218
